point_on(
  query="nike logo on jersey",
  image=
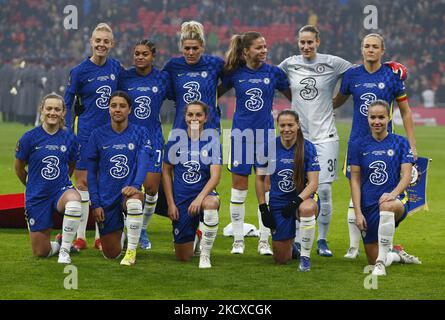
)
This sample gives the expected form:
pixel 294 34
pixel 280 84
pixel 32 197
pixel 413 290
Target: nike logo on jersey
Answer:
pixel 130 89
pixel 241 81
pixel 105 147
pixel 39 147
pixel 90 80
pixel 365 153
pixel 357 85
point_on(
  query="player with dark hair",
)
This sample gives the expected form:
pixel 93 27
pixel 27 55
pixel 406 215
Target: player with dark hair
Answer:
pixel 118 155
pixel 50 153
pixel 313 77
pixel 380 167
pixel 148 88
pixel 255 83
pixel 87 95
pixel 292 193
pixel 190 173
pixel 366 83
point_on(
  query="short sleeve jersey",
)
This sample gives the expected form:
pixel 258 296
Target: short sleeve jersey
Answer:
pixel 147 94
pixel 312 83
pixel 93 84
pixel 117 159
pixel 255 91
pixel 47 157
pixel 191 161
pixel 367 87
pixel 380 164
pixel 283 188
pixel 195 82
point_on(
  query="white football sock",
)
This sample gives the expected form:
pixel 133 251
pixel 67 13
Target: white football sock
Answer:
pixel 55 247
pixel 209 229
pixel 123 236
pixel 149 209
pixel 71 221
pixel 354 231
pixel 385 234
pixel 264 232
pixel 324 219
pixel 297 232
pixel 81 230
pixel 133 222
pixel 237 213
pixel 307 231
pixel 97 233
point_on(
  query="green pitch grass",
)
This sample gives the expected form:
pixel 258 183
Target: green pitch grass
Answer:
pixel 158 276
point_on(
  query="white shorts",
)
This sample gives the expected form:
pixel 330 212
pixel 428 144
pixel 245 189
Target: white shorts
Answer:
pixel 328 158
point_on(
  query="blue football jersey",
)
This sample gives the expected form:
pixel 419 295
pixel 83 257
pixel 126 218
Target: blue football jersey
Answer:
pixel 116 160
pixel 191 161
pixel 195 82
pixel 47 157
pixel 93 84
pixel 380 164
pixel 255 90
pixel 367 87
pixel 147 94
pixel 282 186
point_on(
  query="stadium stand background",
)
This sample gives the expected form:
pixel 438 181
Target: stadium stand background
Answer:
pixel 36 52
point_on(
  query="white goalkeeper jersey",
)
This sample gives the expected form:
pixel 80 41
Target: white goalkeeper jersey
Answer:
pixel 312 83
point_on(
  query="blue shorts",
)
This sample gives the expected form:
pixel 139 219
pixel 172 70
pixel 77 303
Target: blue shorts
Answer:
pixel 247 153
pixel 285 228
pixel 114 218
pixel 157 141
pixel 155 166
pixel 184 229
pixel 81 164
pixel 372 216
pixel 39 213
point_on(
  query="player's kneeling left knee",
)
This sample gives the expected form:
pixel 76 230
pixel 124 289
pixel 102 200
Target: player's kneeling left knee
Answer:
pixel 388 206
pixel 210 203
pixel 111 245
pixel 308 208
pixel 281 258
pixel 111 253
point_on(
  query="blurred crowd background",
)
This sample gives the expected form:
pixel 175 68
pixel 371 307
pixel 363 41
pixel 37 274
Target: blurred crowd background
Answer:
pixel 37 52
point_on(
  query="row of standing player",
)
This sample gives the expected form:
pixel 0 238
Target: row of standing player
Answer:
pixel 252 47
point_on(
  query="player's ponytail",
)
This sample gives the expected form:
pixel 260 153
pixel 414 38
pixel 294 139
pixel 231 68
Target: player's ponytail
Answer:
pixel 299 151
pixel 235 55
pixel 192 30
pixel 299 159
